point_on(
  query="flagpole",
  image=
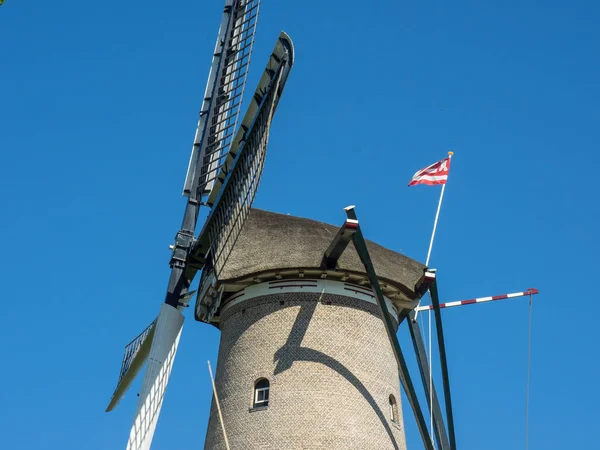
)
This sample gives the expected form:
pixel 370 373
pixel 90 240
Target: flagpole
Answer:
pixel 437 216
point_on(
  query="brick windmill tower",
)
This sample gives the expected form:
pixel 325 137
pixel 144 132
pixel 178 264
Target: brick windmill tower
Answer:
pixel 304 359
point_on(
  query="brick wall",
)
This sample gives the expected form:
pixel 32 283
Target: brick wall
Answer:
pixel 331 371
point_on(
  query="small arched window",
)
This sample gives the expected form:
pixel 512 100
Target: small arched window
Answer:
pixel 393 409
pixel 261 393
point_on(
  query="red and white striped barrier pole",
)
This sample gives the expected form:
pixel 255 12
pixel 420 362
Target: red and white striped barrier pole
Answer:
pixel 530 291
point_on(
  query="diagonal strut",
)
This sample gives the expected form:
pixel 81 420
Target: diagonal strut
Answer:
pixel 407 384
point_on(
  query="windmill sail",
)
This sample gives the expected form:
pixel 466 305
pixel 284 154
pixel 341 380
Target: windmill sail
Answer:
pixel 240 174
pixel 167 332
pixel 223 96
pixel 236 184
pixel 214 135
pixel 136 353
pixel 224 171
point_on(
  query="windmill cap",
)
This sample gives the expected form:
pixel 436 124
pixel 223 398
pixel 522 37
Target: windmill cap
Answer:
pixel 271 242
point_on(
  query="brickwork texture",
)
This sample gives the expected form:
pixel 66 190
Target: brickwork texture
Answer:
pixel 331 371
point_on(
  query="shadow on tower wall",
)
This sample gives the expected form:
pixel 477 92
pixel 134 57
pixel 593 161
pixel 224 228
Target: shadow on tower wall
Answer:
pixel 292 351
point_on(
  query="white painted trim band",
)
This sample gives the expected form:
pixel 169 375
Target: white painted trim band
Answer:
pixel 306 285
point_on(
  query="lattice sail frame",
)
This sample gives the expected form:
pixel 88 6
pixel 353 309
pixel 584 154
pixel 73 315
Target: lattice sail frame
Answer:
pixel 136 353
pixel 240 174
pixel 132 349
pixel 239 193
pixel 223 96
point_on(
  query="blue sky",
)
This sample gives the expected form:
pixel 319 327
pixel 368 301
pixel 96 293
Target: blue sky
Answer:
pixel 99 105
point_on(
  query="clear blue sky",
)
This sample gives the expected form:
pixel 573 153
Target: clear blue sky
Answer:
pixel 99 104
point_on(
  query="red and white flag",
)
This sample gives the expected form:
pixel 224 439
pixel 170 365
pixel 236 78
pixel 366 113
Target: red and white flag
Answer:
pixel 436 173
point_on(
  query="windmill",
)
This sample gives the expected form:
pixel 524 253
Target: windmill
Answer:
pixel 223 175
pixel 280 289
